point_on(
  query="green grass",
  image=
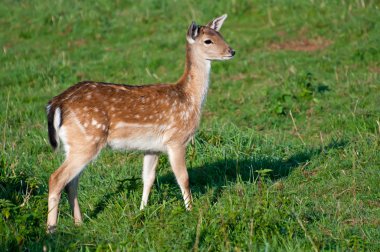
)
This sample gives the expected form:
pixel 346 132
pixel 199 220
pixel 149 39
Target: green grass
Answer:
pixel 261 179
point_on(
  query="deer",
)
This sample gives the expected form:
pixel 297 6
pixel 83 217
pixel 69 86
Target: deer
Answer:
pixel 153 119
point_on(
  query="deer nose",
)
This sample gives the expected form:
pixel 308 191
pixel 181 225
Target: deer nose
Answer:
pixel 232 51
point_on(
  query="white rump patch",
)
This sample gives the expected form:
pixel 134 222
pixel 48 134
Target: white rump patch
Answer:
pixel 63 137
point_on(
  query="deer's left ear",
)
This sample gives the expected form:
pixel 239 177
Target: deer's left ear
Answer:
pixel 192 33
pixel 217 23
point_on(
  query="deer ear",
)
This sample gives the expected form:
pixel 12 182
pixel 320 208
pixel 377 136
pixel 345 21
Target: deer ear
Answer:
pixel 217 23
pixel 192 32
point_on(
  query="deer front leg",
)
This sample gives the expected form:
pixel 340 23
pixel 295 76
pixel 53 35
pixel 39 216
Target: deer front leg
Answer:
pixel 178 164
pixel 148 174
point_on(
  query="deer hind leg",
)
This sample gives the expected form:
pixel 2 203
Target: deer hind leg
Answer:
pixel 72 193
pixel 69 171
pixel 148 174
pixel 178 164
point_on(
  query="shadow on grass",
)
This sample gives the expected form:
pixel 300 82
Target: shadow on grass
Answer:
pixel 221 172
pixel 129 185
pixel 218 174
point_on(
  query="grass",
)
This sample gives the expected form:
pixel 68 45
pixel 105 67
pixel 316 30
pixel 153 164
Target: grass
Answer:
pixel 287 155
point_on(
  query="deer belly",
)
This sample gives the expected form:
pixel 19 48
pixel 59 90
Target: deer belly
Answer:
pixel 146 139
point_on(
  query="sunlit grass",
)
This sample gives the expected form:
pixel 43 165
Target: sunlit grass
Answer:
pixel 261 179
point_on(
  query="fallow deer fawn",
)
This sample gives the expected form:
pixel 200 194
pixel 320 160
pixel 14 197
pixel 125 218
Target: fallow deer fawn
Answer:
pixel 152 118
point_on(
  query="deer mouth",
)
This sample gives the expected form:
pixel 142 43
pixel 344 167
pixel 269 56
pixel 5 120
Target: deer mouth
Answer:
pixel 227 57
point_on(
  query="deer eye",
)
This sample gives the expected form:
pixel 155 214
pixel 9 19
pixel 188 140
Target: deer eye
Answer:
pixel 207 42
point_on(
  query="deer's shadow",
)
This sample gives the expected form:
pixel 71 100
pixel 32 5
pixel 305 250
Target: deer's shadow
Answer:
pixel 217 174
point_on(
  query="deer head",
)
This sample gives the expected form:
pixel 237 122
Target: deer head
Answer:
pixel 207 42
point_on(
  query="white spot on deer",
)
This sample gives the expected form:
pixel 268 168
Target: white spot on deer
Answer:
pixel 88 97
pixel 85 125
pixel 98 126
pixel 78 123
pixel 185 115
pixel 94 122
pixel 137 116
pixel 96 109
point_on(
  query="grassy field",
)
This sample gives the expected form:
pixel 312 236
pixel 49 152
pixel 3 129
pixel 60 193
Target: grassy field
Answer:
pixel 287 157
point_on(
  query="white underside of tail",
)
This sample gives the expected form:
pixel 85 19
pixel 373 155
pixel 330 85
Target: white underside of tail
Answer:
pixel 57 118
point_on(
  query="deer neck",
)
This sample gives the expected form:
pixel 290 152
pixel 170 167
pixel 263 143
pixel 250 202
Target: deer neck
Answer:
pixel 195 79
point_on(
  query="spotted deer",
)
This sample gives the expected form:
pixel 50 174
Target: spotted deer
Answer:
pixel 158 118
